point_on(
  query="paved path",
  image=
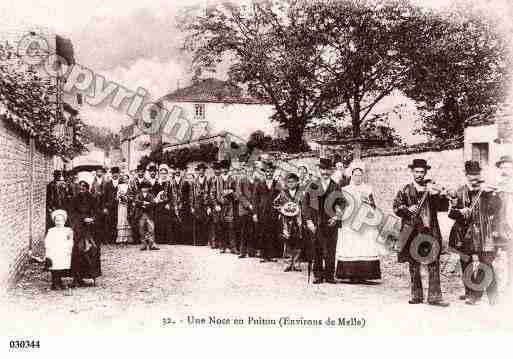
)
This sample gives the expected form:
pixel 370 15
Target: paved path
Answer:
pixel 138 289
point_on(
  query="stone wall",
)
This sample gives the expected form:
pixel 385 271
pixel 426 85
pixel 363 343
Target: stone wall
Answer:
pixel 24 173
pixel 387 174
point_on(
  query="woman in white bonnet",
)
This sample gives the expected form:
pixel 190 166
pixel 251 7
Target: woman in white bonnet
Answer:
pixel 358 252
pixel 59 244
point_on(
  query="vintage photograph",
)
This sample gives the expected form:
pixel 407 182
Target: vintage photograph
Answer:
pixel 293 165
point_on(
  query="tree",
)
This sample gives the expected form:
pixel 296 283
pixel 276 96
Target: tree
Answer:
pixel 272 51
pixel 28 103
pixel 462 74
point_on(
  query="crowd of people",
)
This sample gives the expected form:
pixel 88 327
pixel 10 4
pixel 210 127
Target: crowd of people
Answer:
pixel 259 210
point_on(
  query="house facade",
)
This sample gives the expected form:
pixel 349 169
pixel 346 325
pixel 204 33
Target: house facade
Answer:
pixel 208 110
pixel 488 137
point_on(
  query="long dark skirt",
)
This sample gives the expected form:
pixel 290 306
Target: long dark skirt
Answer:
pixel 85 256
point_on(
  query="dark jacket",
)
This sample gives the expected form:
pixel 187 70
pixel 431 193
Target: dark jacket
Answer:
pixel 473 235
pixel 409 196
pixel 144 205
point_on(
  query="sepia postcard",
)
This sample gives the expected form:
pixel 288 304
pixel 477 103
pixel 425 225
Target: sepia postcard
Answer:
pixel 206 169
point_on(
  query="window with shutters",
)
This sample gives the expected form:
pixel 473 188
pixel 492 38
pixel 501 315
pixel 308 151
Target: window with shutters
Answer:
pixel 199 111
pixel 480 153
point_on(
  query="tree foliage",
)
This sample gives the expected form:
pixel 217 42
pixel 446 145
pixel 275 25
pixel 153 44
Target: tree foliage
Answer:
pixel 29 105
pixel 463 73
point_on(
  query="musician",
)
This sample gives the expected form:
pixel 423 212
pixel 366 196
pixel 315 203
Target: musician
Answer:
pixel 321 223
pixel 145 216
pixel 504 219
pixel 165 207
pixel 245 192
pixel 421 221
pixel 266 190
pixel 289 203
pixel 222 195
pixel 201 206
pixel 134 187
pixel 472 233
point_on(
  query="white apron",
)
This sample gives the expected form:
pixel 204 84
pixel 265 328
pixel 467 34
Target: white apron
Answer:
pixel 59 244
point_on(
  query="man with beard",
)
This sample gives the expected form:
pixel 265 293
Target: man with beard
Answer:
pixel 473 207
pixel 418 204
pixel 153 180
pixel 134 187
pixel 201 205
pixel 100 190
pixel 322 223
pixel 182 193
pixel 266 190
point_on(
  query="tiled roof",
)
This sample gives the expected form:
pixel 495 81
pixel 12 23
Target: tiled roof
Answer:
pixel 212 90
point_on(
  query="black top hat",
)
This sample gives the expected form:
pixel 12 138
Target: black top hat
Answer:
pixel 215 165
pixel 140 167
pixel 114 170
pixel 504 159
pixel 145 184
pixel 269 165
pixel 57 173
pixel 152 168
pixel 472 168
pixel 419 163
pixel 201 166
pixel 293 176
pixel 325 163
pixel 225 164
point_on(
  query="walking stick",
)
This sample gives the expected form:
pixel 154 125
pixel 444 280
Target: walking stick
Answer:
pixel 193 229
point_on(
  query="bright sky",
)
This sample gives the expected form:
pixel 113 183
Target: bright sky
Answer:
pixel 136 44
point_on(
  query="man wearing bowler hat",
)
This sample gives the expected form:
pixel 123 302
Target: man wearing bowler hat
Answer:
pixel 322 221
pixel 417 204
pixel 472 208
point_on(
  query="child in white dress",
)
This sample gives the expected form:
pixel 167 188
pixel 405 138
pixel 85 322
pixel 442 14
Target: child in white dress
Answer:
pixel 59 244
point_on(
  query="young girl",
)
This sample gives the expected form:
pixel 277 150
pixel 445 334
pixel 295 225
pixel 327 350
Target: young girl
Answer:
pixel 59 243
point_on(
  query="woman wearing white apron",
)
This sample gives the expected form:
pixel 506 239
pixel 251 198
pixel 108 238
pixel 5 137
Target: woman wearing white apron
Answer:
pixel 358 252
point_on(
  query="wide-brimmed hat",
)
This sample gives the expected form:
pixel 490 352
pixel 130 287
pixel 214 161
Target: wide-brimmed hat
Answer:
pixel 59 212
pixel 145 184
pixel 140 168
pixel 325 163
pixel 201 166
pixel 504 159
pixel 152 168
pixel 225 164
pixel 419 163
pixel 114 170
pixel 163 166
pixel 472 168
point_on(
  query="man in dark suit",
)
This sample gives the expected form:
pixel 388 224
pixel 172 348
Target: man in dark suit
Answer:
pixel 322 222
pixel 101 192
pixel 266 190
pixel 112 204
pixel 182 193
pixel 145 216
pixel 201 205
pixel 134 187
